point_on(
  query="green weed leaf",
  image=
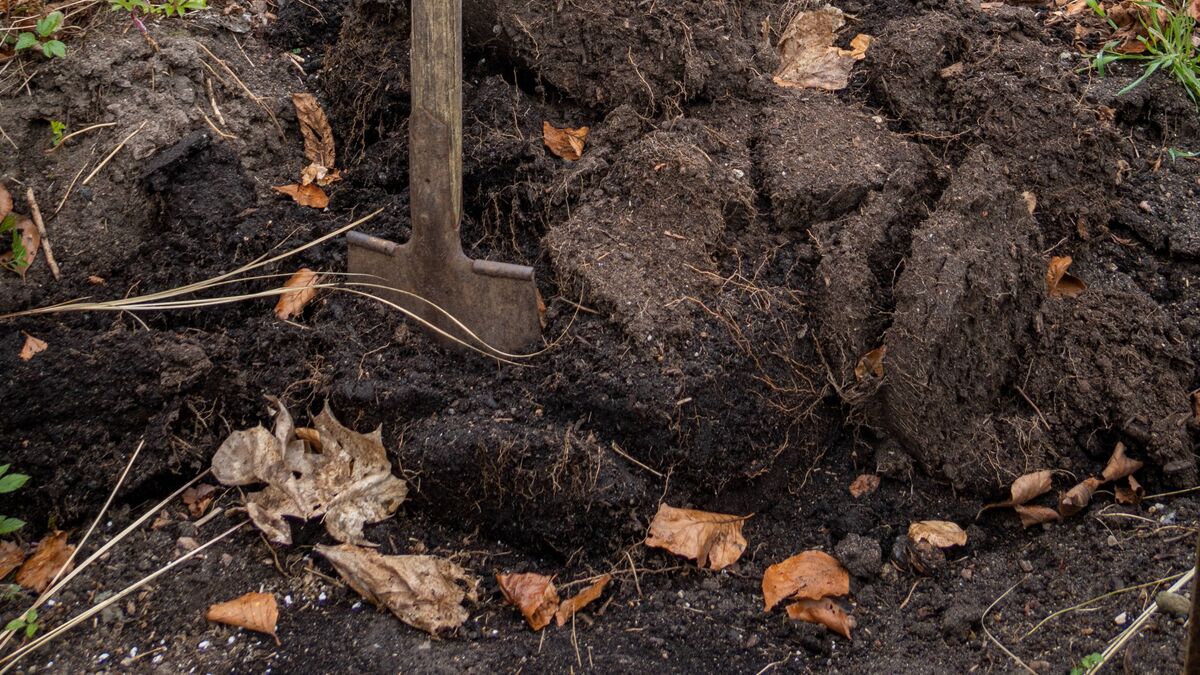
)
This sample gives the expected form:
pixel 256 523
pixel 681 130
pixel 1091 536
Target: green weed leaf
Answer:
pixel 10 525
pixel 25 41
pixel 12 482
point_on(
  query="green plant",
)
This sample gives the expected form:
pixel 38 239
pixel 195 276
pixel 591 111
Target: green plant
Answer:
pixel 27 622
pixel 1177 154
pixel 43 36
pixel 1087 663
pixel 10 482
pixel 16 263
pixel 1168 46
pixel 168 8
pixel 57 129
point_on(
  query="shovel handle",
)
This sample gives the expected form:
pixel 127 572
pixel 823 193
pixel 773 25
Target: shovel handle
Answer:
pixel 435 128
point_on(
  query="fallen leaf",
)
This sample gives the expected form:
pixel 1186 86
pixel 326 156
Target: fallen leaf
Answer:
pixel 1059 283
pixel 30 240
pixel 11 555
pixel 1077 498
pixel 423 591
pixel 810 575
pixel 310 436
pixel 825 612
pixel 569 607
pixel 32 346
pixel 871 363
pixel 807 56
pixel 1036 515
pixel 6 202
pixel 96 280
pixel 292 303
pixel 940 533
pixel 321 175
pixel 533 594
pixel 566 142
pixel 1031 202
pixel 314 126
pixel 349 482
pixel 252 611
pixel 1131 495
pixel 1025 488
pixel 305 195
pixel 50 556
pixel 1119 465
pixel 953 70
pixel 711 539
pixel 199 498
pixel 864 485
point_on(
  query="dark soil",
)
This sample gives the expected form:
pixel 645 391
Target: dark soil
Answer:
pixel 713 268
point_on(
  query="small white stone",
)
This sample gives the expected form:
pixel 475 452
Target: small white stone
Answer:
pixel 158 658
pixel 1121 619
pixel 103 657
pixel 287 600
pixel 232 639
pixel 204 644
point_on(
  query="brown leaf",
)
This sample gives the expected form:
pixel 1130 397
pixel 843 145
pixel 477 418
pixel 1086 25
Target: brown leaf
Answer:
pixel 318 136
pixel 808 57
pixel 252 611
pixel 310 436
pixel 11 555
pixel 292 303
pixel 533 594
pixel 566 142
pixel 568 608
pixel 711 539
pixel 32 346
pixel 48 558
pixel 1031 202
pixel 940 533
pixel 810 575
pixel 1119 465
pixel 1077 498
pixel 870 363
pixel 825 612
pixel 1026 487
pixel 1036 515
pixel 95 280
pixel 864 485
pixel 199 498
pixel 1132 495
pixel 305 195
pixel 31 239
pixel 423 591
pixel 1060 284
pixel 6 202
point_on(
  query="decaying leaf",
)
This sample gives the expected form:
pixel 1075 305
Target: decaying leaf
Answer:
pixel 30 240
pixel 11 555
pixel 199 498
pixel 1036 515
pixel 305 195
pixel 1077 498
pixel 1130 496
pixel 533 594
pixel 252 611
pixel 6 202
pixel 1061 284
pixel 810 575
pixel 1120 465
pixel 1031 202
pixel 349 482
pixel 807 56
pixel 291 303
pixel 1026 487
pixel 50 556
pixel 825 612
pixel 318 136
pixel 32 346
pixel 423 591
pixel 310 436
pixel 713 540
pixel 569 607
pixel 864 485
pixel 566 142
pixel 940 533
pixel 871 363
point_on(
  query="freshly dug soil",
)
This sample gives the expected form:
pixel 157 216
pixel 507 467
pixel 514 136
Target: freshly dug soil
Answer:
pixel 714 268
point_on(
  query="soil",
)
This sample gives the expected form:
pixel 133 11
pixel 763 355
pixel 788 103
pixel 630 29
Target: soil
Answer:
pixel 714 267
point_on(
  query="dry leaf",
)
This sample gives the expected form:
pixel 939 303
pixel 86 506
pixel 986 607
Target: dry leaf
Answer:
pixel 423 591
pixel 310 436
pixel 50 556
pixel 252 611
pixel 11 555
pixel 1119 465
pixel 32 346
pixel 1030 201
pixel 825 612
pixel 871 363
pixel 318 136
pixel 1077 498
pixel 566 142
pixel 1026 488
pixel 940 533
pixel 95 280
pixel 810 575
pixel 1059 283
pixel 1132 495
pixel 568 608
pixel 31 239
pixel 711 539
pixel 6 202
pixel 864 485
pixel 807 57
pixel 321 175
pixel 292 303
pixel 350 482
pixel 305 195
pixel 1036 515
pixel 533 594
pixel 199 498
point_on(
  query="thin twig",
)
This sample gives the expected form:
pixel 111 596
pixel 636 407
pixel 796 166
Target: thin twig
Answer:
pixel 84 130
pixel 41 226
pixel 988 633
pixel 69 188
pixel 1098 598
pixel 1126 635
pixel 253 97
pixel 617 449
pixel 113 153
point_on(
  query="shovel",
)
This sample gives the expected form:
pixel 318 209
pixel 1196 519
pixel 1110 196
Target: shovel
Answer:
pixel 490 305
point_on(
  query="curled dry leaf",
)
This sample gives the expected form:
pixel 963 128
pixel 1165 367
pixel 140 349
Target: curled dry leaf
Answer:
pixel 423 591
pixel 291 303
pixel 252 611
pixel 199 498
pixel 533 594
pixel 713 540
pixel 871 363
pixel 32 346
pixel 310 436
pixel 349 482
pixel 810 575
pixel 1130 496
pixel 1036 515
pixel 940 533
pixel 1120 465
pixel 50 556
pixel 825 612
pixel 1077 498
pixel 1060 284
pixel 808 57
pixel 569 607
pixel 1026 487
pixel 305 195
pixel 318 136
pixel 30 238
pixel 11 555
pixel 566 142
pixel 864 485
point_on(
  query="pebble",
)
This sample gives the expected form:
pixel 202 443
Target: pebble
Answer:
pixel 1173 603
pixel 103 657
pixel 204 644
pixel 1121 619
pixel 1111 541
pixel 1026 566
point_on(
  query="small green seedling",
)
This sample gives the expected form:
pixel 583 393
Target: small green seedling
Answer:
pixel 10 482
pixel 57 129
pixel 43 37
pixel 168 8
pixel 1168 46
pixel 181 7
pixel 16 263
pixel 27 622
pixel 1087 663
pixel 1177 154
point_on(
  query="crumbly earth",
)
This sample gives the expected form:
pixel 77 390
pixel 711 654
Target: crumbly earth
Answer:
pixel 714 267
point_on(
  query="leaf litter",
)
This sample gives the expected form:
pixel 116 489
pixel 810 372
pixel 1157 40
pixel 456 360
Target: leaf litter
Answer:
pixel 808 57
pixel 587 596
pixel 825 612
pixel 864 485
pixel 52 554
pixel 810 575
pixel 940 533
pixel 320 151
pixel 713 540
pixel 1059 282
pixel 566 142
pixel 32 347
pixel 292 303
pixel 11 557
pixel 533 594
pixel 253 611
